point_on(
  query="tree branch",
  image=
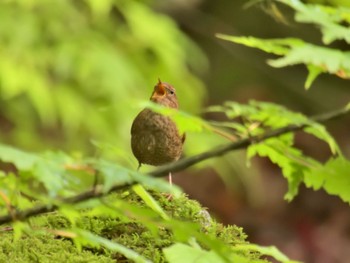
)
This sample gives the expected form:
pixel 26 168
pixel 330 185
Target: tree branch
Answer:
pixel 243 143
pixel 172 167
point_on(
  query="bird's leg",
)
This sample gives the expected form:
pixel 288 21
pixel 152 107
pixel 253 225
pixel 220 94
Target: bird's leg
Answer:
pixel 170 178
pixel 169 196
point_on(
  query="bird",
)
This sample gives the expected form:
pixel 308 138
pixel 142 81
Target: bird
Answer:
pixel 155 138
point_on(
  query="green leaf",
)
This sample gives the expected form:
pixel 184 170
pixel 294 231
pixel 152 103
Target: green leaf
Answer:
pixel 292 162
pixel 87 238
pixel 314 72
pixel 320 131
pixel 125 211
pixel 333 61
pixel 114 174
pixel 334 177
pixel 155 183
pixel 184 121
pixel 268 251
pixel 276 46
pixel 177 253
pixel 258 116
pixel 149 200
pixel 329 19
pixel 274 115
pixel 22 160
pixel 294 51
pixel 194 254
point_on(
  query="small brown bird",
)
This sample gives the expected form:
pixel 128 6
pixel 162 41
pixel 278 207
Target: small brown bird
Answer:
pixel 155 139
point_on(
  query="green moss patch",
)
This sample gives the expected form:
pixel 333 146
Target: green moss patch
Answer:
pixel 39 247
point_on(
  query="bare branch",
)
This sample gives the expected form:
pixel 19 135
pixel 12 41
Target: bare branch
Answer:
pixel 172 167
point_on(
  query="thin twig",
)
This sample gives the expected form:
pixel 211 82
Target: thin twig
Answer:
pixel 172 167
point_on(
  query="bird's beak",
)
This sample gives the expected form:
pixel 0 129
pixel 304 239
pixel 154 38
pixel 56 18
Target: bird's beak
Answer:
pixel 159 90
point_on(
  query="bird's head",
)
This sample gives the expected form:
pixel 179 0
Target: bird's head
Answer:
pixel 165 95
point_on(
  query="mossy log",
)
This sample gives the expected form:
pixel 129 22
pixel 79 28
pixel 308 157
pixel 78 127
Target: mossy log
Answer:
pixel 47 247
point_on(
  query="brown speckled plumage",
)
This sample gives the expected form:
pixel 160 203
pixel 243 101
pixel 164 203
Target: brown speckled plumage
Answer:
pixel 155 139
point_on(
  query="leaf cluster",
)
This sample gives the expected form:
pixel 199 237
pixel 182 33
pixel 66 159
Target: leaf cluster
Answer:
pixel 259 117
pixel 333 22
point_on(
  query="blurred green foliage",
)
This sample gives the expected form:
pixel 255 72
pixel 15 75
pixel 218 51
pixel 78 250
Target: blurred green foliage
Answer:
pixel 74 71
pixel 331 2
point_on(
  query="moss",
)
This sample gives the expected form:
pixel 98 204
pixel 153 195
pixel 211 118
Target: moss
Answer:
pixel 44 249
pixel 48 248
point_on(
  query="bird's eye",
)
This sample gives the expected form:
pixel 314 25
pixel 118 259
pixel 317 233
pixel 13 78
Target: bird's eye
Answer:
pixel 172 92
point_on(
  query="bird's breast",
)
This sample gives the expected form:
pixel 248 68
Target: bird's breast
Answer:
pixel 155 138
